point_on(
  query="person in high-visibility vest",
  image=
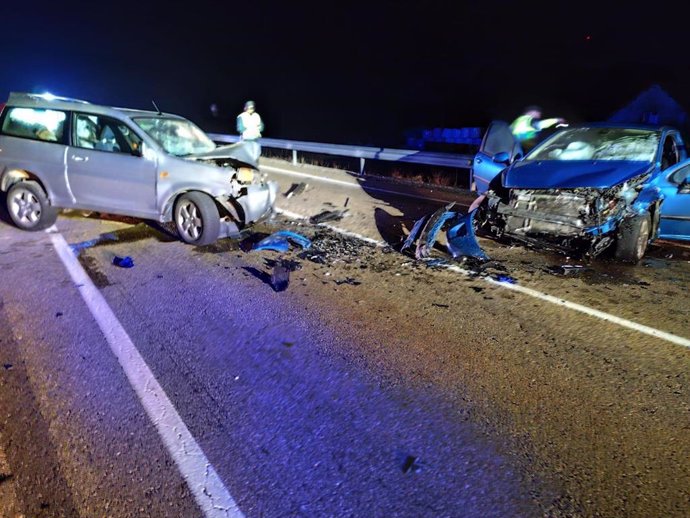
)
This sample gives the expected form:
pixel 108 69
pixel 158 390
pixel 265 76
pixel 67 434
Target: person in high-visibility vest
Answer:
pixel 526 127
pixel 250 126
pixel 249 123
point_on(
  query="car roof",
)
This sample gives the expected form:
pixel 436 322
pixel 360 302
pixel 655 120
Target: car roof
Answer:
pixel 47 101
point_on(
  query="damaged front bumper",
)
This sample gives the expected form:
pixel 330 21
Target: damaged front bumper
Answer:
pixel 255 202
pixel 562 221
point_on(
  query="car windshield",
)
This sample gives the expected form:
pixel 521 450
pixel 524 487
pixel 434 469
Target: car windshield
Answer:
pixel 178 137
pixel 599 144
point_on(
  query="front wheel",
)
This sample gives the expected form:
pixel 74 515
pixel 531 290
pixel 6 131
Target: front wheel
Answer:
pixel 633 238
pixel 197 219
pixel 29 207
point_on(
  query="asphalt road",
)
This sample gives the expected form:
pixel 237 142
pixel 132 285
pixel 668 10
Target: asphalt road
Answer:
pixel 374 385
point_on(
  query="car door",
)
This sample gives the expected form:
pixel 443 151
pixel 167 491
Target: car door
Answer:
pixel 497 139
pixel 106 170
pixel 675 209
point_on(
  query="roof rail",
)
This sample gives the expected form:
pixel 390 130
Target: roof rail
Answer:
pixel 23 96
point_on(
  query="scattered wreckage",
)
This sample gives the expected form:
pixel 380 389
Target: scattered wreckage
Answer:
pixel 585 189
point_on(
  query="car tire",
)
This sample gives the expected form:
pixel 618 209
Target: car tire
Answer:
pixel 28 206
pixel 633 238
pixel 197 219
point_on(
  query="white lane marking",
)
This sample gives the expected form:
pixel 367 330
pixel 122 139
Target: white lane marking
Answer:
pixel 629 324
pixel 208 489
pixel 349 184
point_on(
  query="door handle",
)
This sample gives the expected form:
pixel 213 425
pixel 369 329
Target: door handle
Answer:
pixel 78 158
pixel 478 160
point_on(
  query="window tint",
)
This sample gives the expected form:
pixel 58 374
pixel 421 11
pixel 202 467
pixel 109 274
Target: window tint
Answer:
pixel 669 154
pixel 35 123
pixel 104 134
pixel 683 174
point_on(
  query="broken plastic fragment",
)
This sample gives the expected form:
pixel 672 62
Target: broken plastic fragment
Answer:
pixel 427 238
pixel 411 465
pixel 295 189
pixel 327 215
pixel 279 241
pixel 461 239
pixel 413 233
pixel 505 279
pixel 123 262
pixel 280 278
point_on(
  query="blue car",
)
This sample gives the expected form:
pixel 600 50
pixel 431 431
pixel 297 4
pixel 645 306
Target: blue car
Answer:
pixel 586 189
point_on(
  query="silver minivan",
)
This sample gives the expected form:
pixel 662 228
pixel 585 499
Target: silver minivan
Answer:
pixel 63 153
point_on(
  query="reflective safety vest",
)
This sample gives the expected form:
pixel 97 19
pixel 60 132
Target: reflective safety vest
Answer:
pixel 522 127
pixel 249 125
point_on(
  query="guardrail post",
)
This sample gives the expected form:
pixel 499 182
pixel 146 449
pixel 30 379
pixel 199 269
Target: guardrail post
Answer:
pixel 361 166
pixel 294 157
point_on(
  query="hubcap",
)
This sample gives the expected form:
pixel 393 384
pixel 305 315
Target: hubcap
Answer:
pixel 25 207
pixel 189 222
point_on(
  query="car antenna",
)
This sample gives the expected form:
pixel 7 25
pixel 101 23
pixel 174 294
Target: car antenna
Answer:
pixel 156 107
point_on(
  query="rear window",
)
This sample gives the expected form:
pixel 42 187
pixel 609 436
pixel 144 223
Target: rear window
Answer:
pixel 35 123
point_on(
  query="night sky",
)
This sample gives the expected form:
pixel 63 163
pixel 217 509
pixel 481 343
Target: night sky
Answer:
pixel 352 72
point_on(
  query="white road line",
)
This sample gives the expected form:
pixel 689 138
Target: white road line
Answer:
pixel 208 489
pixel 629 324
pixel 349 184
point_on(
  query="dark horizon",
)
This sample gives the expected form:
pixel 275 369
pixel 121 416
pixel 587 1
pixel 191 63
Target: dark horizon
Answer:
pixel 361 73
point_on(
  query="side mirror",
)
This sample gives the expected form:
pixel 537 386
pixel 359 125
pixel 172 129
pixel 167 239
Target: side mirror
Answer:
pixel 684 187
pixel 502 158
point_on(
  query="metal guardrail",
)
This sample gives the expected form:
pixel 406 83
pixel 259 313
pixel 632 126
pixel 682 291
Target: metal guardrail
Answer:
pixel 409 156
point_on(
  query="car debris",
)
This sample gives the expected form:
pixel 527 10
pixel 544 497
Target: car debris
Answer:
pixel 327 215
pixel 348 280
pixel 296 189
pixel 280 241
pixel 123 262
pixel 411 465
pixel 280 278
pixel 566 269
pixel 461 239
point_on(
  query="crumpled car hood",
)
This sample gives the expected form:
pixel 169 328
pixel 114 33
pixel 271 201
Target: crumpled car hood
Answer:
pixel 242 153
pixel 557 174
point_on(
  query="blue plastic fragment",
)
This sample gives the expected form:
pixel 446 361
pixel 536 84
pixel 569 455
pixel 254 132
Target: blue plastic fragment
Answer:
pixel 505 278
pixel 123 262
pixel 280 241
pixel 461 239
pixel 431 230
pixel 413 233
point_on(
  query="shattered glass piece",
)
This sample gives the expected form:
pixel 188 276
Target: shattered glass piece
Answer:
pixel 280 241
pixel 431 263
pixel 280 278
pixel 327 215
pixel 295 189
pixel 413 233
pixel 427 238
pixel 123 262
pixel 461 239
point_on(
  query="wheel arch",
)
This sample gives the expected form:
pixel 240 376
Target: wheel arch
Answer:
pixel 227 206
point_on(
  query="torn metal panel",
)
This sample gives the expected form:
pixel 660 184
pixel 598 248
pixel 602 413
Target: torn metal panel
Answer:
pixel 462 241
pixel 427 237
